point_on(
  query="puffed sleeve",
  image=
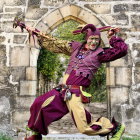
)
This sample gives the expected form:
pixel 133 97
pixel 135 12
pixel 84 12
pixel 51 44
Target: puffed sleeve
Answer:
pixel 55 45
pixel 118 50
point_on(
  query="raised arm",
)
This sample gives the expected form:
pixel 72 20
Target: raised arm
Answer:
pixel 118 50
pixel 55 45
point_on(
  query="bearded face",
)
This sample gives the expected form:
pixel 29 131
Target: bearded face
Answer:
pixel 93 42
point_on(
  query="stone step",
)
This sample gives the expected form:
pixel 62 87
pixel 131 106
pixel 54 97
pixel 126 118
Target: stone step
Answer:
pixel 72 137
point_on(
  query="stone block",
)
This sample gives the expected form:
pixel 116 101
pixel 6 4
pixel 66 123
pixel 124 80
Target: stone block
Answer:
pixel 19 39
pixel 34 12
pixel 135 22
pixel 119 95
pixel 2 51
pixel 99 8
pixel 70 10
pixel 28 88
pixel 120 19
pixel 119 62
pixel 137 75
pixel 4 71
pixel 2 39
pixel 88 0
pixel 84 15
pixel 18 73
pixel 7 26
pixel 24 102
pixel 31 73
pixel 135 7
pixel 123 76
pixel 121 8
pixel 136 54
pixel 43 27
pixel 110 76
pixel 20 117
pixel 53 2
pixel 6 16
pixel 20 56
pixel 34 53
pixel 34 2
pixel 133 127
pixel 12 9
pixel 15 2
pixel 51 21
pixel 4 105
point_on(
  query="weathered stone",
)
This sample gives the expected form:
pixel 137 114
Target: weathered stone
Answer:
pixel 133 128
pixel 20 117
pixel 14 2
pixel 120 62
pixel 48 20
pixel 31 73
pixel 7 16
pixel 19 39
pixel 70 10
pixel 3 81
pixel 20 56
pixel 136 54
pixel 28 88
pixel 53 2
pixel 123 76
pixel 4 111
pixel 34 53
pixel 135 7
pixel 99 8
pixel 120 19
pixel 137 75
pixel 43 27
pixel 121 8
pixel 1 6
pixel 35 12
pixel 135 22
pixel 84 15
pixel 130 113
pixel 34 2
pixel 2 51
pixel 87 0
pixel 110 76
pixel 24 102
pixel 11 9
pixel 2 39
pixel 3 69
pixel 116 93
pixel 18 73
pixel 4 105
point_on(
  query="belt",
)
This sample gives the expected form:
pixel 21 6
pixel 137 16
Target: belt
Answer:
pixel 70 87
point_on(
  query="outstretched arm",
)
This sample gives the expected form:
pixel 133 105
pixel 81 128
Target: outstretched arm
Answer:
pixel 55 45
pixel 118 50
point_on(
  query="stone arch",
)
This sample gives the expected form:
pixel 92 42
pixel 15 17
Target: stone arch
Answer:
pixel 48 23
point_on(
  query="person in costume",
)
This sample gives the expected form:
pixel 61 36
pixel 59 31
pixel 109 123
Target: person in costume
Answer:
pixel 85 59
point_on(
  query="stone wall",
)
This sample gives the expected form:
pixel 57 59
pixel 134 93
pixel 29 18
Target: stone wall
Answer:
pixel 19 59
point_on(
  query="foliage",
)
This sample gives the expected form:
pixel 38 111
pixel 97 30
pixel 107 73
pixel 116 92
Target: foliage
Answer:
pixel 4 137
pixel 131 138
pixel 98 86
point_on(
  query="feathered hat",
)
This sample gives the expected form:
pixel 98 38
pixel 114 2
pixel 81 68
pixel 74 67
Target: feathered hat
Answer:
pixel 90 29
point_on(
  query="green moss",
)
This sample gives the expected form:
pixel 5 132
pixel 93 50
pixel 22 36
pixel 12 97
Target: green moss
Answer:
pixel 4 137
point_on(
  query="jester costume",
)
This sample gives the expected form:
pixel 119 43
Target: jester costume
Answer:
pixel 67 98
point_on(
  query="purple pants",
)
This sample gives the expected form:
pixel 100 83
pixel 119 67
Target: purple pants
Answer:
pixel 46 110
